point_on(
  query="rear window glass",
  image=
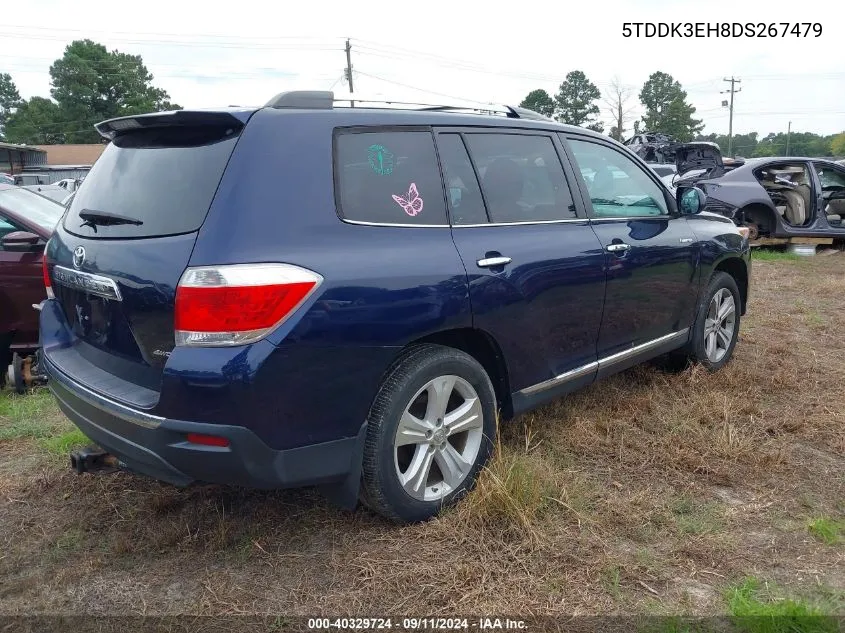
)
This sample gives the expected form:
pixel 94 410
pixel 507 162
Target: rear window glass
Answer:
pixel 389 178
pixel 165 179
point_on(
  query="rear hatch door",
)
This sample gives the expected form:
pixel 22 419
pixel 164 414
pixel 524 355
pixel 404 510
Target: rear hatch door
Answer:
pixel 698 155
pixel 127 237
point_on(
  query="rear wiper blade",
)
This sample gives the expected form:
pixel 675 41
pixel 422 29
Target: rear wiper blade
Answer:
pixel 94 219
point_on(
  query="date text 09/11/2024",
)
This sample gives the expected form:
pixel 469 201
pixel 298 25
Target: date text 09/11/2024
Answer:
pixel 721 29
pixel 416 624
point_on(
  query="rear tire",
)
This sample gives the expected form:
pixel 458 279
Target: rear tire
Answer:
pixel 429 433
pixel 716 326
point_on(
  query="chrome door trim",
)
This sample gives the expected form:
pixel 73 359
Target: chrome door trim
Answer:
pixel 626 218
pixel 607 361
pixel 611 360
pixel 526 223
pixel 578 372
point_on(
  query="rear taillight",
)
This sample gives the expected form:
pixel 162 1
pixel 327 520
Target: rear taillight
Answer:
pixel 47 285
pixel 238 304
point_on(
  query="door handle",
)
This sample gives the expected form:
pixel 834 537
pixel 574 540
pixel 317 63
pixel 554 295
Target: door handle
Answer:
pixel 492 262
pixel 617 248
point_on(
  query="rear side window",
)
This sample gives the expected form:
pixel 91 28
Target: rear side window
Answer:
pixel 389 177
pixel 466 205
pixel 163 178
pixel 522 177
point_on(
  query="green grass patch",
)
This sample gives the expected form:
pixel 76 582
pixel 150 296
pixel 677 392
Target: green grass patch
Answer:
pixel 676 624
pixel 512 490
pixel 756 609
pixel 61 445
pixel 814 319
pixel 771 255
pixel 66 545
pixel 695 517
pixel 827 530
pixel 612 579
pixel 33 415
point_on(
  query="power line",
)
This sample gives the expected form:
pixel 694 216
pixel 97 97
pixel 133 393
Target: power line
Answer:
pixel 269 37
pixel 403 85
pixel 181 43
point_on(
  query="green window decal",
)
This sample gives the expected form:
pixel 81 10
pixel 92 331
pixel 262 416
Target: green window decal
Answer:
pixel 381 159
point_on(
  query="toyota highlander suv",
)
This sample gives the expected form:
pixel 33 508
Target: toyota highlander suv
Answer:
pixel 353 297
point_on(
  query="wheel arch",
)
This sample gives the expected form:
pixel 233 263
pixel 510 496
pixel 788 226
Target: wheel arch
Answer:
pixel 759 214
pixel 736 268
pixel 482 347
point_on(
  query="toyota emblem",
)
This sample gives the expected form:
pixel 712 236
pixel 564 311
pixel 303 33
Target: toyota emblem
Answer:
pixel 78 256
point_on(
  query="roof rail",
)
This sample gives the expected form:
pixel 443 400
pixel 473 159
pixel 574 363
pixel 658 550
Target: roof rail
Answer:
pixel 308 99
pixel 525 113
pixel 326 100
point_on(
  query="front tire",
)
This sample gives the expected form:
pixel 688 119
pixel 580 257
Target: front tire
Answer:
pixel 717 324
pixel 429 433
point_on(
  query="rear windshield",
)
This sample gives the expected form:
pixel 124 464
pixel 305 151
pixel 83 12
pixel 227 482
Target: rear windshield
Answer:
pixel 165 179
pixel 30 206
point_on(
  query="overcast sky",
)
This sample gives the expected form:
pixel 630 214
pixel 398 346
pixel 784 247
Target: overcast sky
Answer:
pixel 244 52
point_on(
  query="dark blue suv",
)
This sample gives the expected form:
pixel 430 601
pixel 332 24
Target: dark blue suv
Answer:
pixel 351 297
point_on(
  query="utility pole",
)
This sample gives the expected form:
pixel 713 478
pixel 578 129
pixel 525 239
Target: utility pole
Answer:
pixel 349 65
pixel 788 133
pixel 733 90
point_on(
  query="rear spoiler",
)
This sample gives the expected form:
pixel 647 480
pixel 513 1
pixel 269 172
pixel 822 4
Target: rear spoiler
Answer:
pixel 174 118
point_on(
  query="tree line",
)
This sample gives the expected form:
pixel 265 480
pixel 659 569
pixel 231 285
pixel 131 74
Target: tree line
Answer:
pixel 580 102
pixel 780 144
pixel 89 84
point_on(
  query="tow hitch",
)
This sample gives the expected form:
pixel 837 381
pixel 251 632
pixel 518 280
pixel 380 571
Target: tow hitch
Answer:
pixel 93 459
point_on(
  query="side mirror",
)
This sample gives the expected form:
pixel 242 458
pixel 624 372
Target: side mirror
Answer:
pixel 691 200
pixel 21 242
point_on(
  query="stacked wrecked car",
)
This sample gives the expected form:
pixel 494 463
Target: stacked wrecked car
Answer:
pixel 777 197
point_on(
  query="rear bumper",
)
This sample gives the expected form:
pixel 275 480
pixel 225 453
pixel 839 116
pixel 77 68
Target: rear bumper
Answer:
pixel 158 447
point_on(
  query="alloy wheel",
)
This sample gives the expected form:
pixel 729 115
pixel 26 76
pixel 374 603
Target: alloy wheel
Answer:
pixel 438 438
pixel 719 325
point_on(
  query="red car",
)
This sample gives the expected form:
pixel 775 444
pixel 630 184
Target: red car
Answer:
pixel 27 221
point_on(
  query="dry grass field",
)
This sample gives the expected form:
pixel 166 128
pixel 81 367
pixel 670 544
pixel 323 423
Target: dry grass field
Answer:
pixel 653 492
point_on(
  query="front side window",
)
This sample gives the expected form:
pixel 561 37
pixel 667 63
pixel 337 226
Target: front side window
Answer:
pixel 830 178
pixel 522 177
pixel 618 187
pixel 389 177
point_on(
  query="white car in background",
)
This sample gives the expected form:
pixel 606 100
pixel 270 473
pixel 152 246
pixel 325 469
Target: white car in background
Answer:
pixel 69 184
pixel 53 192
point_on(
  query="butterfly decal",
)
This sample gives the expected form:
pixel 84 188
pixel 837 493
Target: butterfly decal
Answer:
pixel 413 204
